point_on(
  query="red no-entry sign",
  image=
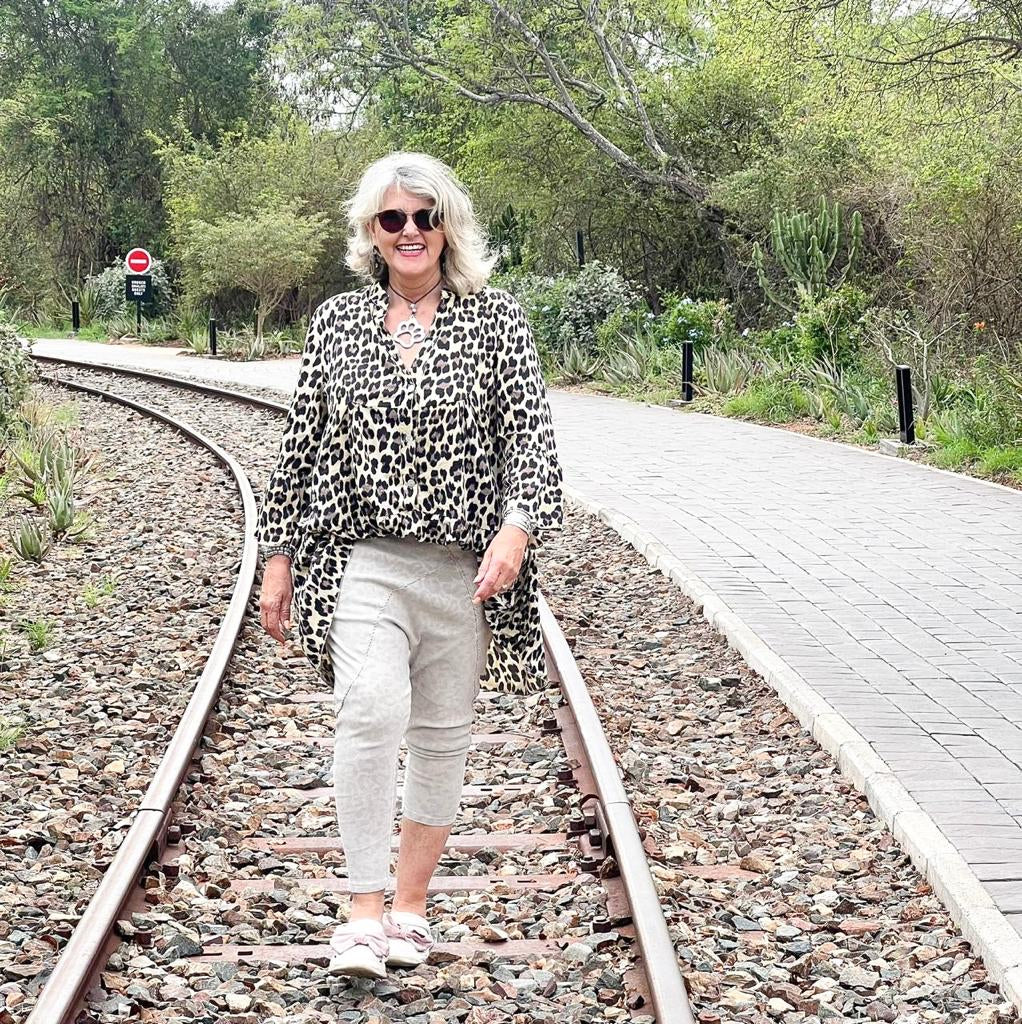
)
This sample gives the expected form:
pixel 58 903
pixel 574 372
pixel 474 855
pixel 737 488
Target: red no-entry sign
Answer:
pixel 138 261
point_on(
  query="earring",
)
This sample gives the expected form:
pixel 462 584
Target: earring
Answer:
pixel 376 263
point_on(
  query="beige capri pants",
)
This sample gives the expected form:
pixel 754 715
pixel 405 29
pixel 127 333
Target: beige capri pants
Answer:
pixel 408 649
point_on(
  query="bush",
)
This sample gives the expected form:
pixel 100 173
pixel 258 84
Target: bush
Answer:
pixel 783 343
pixel 16 374
pixel 108 300
pixel 832 328
pixel 566 311
pixel 710 322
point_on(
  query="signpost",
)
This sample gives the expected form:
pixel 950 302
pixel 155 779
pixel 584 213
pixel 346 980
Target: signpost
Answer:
pixel 138 283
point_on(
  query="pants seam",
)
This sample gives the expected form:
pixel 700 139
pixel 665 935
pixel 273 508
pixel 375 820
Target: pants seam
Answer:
pixel 372 636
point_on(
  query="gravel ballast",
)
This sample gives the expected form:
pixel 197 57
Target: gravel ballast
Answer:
pixel 787 900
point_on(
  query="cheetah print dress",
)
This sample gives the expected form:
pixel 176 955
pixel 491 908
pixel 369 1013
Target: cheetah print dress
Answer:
pixel 441 451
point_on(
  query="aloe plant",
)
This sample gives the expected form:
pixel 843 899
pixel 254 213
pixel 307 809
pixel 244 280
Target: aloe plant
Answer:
pixel 32 540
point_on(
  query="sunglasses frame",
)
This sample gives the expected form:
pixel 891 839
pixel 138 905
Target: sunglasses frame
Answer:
pixel 427 211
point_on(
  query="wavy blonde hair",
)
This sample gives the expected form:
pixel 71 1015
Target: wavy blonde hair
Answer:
pixel 468 261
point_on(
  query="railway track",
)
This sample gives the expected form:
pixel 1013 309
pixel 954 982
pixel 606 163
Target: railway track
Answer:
pixel 572 782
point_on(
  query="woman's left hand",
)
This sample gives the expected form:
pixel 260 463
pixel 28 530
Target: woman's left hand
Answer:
pixel 501 562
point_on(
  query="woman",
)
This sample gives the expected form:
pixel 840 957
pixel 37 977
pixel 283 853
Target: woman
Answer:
pixel 417 475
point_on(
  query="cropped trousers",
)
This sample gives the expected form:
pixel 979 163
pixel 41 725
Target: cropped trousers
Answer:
pixel 408 649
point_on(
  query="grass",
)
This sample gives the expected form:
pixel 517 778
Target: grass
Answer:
pixel 93 593
pixel 772 400
pixel 39 632
pixel 1001 460
pixel 10 732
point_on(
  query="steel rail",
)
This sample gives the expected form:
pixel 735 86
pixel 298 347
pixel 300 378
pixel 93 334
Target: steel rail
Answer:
pixel 666 984
pixel 82 956
pixel 187 383
pixel 660 964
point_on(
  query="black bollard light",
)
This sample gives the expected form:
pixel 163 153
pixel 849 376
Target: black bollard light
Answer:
pixel 212 336
pixel 580 246
pixel 686 371
pixel 76 316
pixel 906 418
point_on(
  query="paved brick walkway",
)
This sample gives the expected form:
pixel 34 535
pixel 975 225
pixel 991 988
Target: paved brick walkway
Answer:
pixel 895 591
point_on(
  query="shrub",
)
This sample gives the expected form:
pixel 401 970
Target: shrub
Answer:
pixel 16 375
pixel 832 328
pixel 568 310
pixel 709 322
pixel 109 302
pixel 782 342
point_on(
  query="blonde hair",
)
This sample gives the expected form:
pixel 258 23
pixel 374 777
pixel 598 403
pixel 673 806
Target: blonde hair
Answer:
pixel 467 260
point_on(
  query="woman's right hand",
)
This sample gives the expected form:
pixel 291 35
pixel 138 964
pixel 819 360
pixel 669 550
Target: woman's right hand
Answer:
pixel 275 598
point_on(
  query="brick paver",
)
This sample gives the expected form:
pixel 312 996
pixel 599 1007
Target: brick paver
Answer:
pixel 895 591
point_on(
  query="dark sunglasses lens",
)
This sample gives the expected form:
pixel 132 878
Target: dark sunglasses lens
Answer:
pixel 392 220
pixel 426 220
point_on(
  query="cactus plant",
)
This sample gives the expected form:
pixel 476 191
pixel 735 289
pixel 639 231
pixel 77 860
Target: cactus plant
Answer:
pixel 806 247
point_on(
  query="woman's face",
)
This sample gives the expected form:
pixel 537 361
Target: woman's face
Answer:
pixel 411 254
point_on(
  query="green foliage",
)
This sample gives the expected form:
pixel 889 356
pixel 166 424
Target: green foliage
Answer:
pixel 11 730
pixel 509 237
pixel 16 376
pixel 48 460
pixel 566 310
pixel 728 371
pixel 106 293
pixel 93 593
pixel 65 521
pixel 805 248
pixel 87 90
pixel 994 461
pixel 265 253
pixel 39 633
pixel 704 323
pixel 574 366
pixel 783 343
pixel 631 362
pixel 775 399
pixel 32 540
pixel 829 327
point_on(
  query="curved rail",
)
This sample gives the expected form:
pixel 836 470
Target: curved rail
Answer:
pixel 667 987
pixel 81 957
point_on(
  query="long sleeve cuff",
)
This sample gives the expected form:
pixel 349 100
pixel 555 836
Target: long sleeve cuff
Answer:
pixel 516 517
pixel 267 551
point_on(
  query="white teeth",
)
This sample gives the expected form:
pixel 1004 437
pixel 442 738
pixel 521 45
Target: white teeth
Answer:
pixel 411 248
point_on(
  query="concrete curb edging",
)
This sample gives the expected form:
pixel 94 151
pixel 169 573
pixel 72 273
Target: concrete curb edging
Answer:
pixel 953 881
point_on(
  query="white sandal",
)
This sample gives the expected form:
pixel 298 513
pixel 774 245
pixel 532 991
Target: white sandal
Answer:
pixel 409 937
pixel 359 949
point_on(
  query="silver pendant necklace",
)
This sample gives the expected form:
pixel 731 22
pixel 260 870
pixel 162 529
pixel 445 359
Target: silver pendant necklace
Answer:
pixel 410 326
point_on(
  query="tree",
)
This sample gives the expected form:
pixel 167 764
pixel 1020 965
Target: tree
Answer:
pixel 266 253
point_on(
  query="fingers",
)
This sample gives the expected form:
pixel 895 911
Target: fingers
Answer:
pixel 495 579
pixel 275 614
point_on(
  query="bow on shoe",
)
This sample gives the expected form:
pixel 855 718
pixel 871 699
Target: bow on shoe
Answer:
pixel 421 938
pixel 343 939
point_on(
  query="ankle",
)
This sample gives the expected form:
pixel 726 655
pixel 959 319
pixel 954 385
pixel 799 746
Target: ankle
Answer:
pixel 410 907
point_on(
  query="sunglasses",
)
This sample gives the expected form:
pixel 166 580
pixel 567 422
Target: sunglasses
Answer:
pixel 393 221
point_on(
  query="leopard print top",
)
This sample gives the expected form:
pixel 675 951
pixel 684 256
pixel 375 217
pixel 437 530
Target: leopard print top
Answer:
pixel 444 451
